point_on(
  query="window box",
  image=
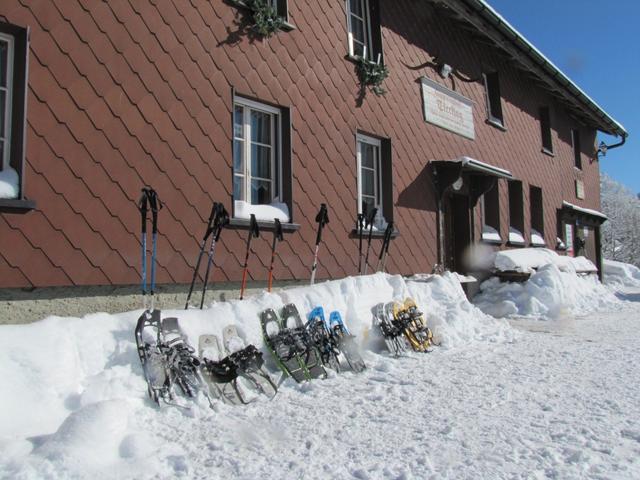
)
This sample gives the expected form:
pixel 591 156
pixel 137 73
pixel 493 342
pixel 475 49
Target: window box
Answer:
pixel 280 7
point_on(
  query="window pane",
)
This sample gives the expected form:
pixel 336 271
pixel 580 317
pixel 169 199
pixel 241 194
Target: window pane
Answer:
pixel 260 127
pixel 357 29
pixel 238 122
pixel 368 204
pixel 3 106
pixel 260 161
pixel 4 55
pixel 367 182
pixel 238 150
pixel 238 187
pixel 260 192
pixel 356 7
pixel 358 49
pixel 366 155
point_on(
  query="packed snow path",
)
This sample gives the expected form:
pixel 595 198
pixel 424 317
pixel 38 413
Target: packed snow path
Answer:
pixel 559 401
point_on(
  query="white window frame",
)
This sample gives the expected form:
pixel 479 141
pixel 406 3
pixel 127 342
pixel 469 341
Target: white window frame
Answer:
pixel 276 147
pixel 368 50
pixel 379 221
pixel 6 136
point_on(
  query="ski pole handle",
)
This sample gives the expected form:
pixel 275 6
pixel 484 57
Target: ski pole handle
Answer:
pixel 322 218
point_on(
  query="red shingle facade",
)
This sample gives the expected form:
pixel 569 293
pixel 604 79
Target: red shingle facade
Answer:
pixel 128 93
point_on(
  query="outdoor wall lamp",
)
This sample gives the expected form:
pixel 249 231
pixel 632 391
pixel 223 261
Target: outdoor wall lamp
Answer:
pixel 445 70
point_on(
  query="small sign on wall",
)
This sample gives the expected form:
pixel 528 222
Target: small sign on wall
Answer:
pixel 580 189
pixel 568 238
pixel 447 109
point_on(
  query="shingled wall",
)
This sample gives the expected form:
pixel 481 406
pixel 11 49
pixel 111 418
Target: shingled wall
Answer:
pixel 131 92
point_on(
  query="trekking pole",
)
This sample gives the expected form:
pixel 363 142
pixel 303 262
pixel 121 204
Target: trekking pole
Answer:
pixel 370 218
pixel 382 258
pixel 143 205
pixel 277 237
pixel 220 221
pixel 322 218
pixel 156 205
pixel 254 231
pixel 208 231
pixel 360 227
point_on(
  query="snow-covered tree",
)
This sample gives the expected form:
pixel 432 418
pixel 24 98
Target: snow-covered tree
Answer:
pixel 621 233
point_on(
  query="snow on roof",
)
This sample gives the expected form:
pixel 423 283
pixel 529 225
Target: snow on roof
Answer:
pixel 474 164
pixel 588 211
pixel 514 35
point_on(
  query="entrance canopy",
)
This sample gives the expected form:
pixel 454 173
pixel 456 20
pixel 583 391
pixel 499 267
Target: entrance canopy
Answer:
pixel 466 176
pixel 587 216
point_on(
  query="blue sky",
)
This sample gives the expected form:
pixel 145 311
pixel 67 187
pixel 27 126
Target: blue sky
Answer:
pixel 597 45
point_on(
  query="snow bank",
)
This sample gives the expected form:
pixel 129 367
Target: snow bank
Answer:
pixel 621 274
pixel 9 183
pixel 75 400
pixel 549 293
pixel 527 260
pixel 265 213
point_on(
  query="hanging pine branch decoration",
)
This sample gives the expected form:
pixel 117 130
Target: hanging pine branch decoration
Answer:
pixel 266 20
pixel 372 74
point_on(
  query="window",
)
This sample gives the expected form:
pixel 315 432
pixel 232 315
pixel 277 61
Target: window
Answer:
pixel 491 215
pixel 6 75
pixel 575 140
pixel 374 178
pixel 537 216
pixel 13 88
pixel 363 22
pixel 257 161
pixel 516 214
pixel 494 101
pixel 545 129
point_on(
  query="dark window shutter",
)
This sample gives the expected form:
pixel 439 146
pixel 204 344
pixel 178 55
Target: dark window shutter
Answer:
pixel 577 148
pixel 545 127
pixel 492 84
pixel 283 9
pixel 287 160
pixel 376 31
pixel 387 179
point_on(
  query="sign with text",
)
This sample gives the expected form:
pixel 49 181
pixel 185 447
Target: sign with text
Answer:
pixel 447 109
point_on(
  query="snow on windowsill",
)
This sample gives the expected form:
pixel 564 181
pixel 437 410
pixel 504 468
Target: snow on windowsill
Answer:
pixel 490 234
pixel 537 240
pixel 515 236
pixel 560 245
pixel 9 184
pixel 265 213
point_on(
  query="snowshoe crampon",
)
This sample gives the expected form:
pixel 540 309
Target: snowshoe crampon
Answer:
pixel 320 336
pixel 218 371
pixel 248 362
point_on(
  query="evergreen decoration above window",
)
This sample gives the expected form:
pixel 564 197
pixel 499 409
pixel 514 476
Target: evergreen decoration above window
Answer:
pixel 265 17
pixel 372 74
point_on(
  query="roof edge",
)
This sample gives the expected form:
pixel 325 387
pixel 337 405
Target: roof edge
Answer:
pixel 490 14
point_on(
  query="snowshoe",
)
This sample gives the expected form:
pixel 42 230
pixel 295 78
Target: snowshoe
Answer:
pixel 292 322
pixel 218 371
pixel 320 335
pixel 182 363
pixel 391 332
pixel 248 361
pixel 284 345
pixel 413 328
pixel 423 332
pixel 153 360
pixel 346 342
